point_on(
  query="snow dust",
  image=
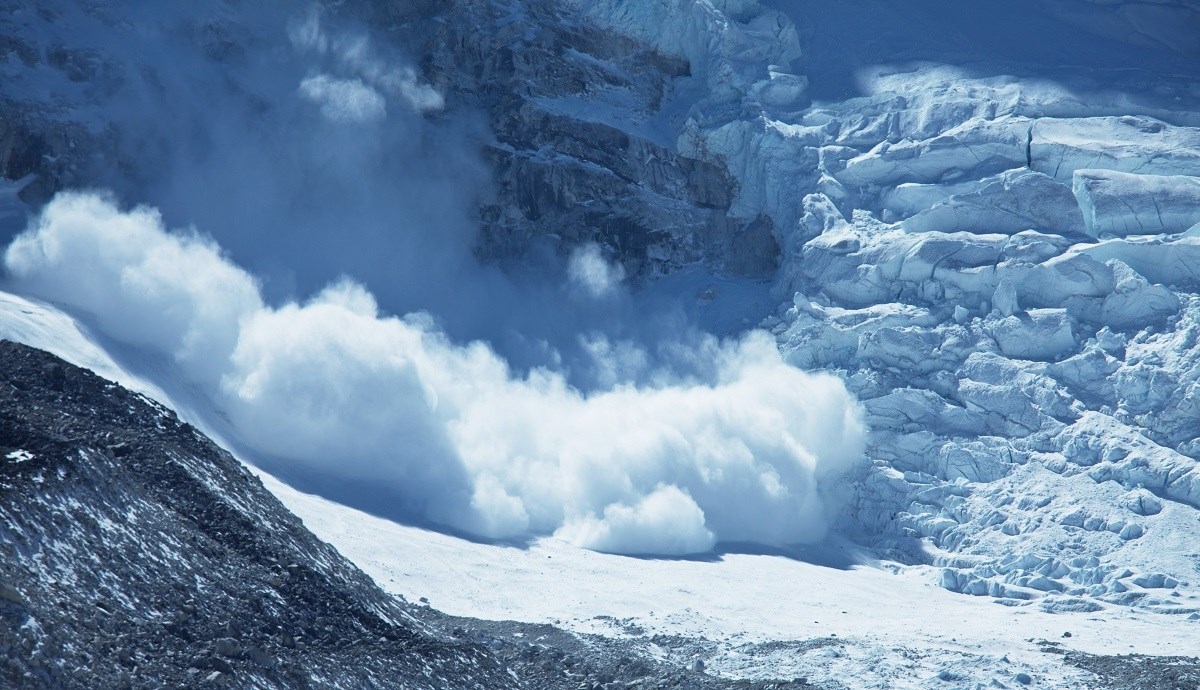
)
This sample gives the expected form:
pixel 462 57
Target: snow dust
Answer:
pixel 739 452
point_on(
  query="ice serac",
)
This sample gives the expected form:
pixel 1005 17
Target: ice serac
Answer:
pixel 1013 201
pixel 1120 204
pixel 1000 267
pixel 1130 144
pixel 1002 351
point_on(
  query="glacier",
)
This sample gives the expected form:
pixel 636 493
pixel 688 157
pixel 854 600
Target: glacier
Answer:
pixel 997 265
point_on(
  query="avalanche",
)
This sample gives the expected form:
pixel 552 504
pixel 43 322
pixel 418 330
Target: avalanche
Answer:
pixel 984 221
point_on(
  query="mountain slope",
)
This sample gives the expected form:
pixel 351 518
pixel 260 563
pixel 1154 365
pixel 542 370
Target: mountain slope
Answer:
pixel 992 242
pixel 136 551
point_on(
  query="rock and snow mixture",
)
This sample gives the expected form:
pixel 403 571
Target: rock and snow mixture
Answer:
pixel 135 553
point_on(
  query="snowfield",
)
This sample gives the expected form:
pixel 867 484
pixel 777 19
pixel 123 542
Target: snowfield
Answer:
pixel 833 619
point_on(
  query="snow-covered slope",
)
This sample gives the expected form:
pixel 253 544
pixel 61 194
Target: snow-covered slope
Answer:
pixel 135 553
pixel 832 614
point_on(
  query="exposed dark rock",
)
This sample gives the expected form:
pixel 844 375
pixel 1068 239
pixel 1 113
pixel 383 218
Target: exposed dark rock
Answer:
pixel 130 544
pixel 754 251
pixel 568 105
pixel 570 164
pixel 1136 672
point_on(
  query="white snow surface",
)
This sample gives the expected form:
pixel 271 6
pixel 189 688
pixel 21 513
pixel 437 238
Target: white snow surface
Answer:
pixel 884 625
pixel 446 431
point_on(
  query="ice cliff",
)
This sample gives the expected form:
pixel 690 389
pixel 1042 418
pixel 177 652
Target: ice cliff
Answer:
pixel 1001 269
pixel 999 265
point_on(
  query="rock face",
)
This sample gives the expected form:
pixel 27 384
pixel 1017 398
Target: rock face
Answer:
pixel 580 121
pixel 135 553
pixel 576 155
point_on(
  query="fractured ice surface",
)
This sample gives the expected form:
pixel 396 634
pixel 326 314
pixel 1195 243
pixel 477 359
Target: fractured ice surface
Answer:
pixel 1117 203
pixel 1005 270
pixel 1060 146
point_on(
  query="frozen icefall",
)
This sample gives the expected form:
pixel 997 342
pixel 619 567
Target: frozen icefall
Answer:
pixel 978 355
pixel 1003 271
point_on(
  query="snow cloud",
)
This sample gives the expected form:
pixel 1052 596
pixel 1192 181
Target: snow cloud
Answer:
pixel 740 450
pixel 589 271
pixel 353 54
pixel 344 100
pixel 666 521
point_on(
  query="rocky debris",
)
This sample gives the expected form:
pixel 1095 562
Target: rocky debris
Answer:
pixel 549 657
pixel 10 594
pixel 1124 672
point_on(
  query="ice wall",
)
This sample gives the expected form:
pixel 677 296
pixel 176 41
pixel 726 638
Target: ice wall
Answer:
pixel 996 258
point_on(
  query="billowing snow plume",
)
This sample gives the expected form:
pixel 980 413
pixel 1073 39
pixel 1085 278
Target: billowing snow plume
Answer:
pixel 344 100
pixel 671 467
pixel 355 54
pixel 589 272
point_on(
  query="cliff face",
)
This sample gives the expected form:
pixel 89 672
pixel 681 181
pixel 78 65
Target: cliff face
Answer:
pixel 583 149
pixel 136 553
pixel 577 120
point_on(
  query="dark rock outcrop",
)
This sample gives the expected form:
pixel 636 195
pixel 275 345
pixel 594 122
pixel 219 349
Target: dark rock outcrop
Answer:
pixel 574 156
pixel 578 122
pixel 136 553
